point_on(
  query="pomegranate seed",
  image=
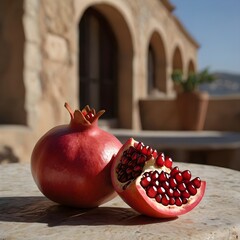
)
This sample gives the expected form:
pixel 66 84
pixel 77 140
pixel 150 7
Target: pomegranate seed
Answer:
pixel 184 200
pixel 139 146
pixel 158 198
pixel 165 199
pixel 168 162
pixel 172 201
pixel 172 182
pixel 129 170
pixel 162 177
pixel 174 171
pixel 142 159
pixel 161 190
pixel 131 150
pixel 186 175
pixel 178 176
pixel 155 182
pixel 181 187
pixel 155 175
pixel 152 191
pixel 165 185
pixel 192 190
pixel 146 174
pixel 176 193
pixel 137 168
pixel 132 163
pixel 160 161
pixel 170 192
pixel 124 160
pixel 178 201
pixel 135 156
pixel 155 153
pixel 145 181
pixel 196 182
pixel 149 150
pixel 145 150
pixel 185 194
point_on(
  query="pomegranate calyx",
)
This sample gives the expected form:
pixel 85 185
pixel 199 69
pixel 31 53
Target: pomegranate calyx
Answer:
pixel 85 117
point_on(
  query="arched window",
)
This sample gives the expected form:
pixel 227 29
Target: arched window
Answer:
pixel 151 70
pixel 98 63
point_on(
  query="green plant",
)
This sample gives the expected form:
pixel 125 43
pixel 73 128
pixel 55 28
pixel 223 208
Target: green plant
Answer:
pixel 193 80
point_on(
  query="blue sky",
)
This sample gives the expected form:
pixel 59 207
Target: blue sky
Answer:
pixel 215 24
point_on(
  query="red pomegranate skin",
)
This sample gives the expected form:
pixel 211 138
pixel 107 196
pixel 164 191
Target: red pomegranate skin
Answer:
pixel 71 164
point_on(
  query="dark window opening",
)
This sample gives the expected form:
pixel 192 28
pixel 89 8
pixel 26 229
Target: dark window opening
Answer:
pixel 98 64
pixel 151 70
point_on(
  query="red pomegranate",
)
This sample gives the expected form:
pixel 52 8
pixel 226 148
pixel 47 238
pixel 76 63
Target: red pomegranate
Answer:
pixel 146 181
pixel 71 163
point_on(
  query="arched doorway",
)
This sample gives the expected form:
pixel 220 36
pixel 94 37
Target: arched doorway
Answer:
pixel 191 67
pixel 156 64
pixel 12 38
pixel 98 63
pixel 177 60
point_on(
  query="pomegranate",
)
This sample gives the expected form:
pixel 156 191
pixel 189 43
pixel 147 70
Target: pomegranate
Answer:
pixel 71 163
pixel 147 182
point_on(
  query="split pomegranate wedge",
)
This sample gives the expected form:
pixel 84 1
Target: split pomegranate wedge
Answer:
pixel 147 182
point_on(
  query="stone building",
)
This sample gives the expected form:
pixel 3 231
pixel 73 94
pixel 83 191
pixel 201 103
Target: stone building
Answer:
pixel 107 53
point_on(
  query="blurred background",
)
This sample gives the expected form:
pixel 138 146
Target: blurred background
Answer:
pixel 119 55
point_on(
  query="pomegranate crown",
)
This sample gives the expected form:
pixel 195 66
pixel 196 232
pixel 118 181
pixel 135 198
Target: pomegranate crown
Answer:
pixel 85 117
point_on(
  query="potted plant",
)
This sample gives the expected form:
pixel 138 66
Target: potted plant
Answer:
pixel 192 103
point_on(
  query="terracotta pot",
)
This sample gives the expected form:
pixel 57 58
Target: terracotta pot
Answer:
pixel 192 109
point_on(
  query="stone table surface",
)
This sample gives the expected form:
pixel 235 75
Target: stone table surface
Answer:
pixel 26 214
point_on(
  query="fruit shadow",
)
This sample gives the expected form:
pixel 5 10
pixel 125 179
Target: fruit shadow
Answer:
pixel 42 210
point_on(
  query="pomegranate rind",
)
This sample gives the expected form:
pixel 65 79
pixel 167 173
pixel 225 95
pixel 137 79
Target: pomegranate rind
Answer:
pixel 135 195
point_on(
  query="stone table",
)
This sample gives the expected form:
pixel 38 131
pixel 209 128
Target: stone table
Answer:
pixel 26 214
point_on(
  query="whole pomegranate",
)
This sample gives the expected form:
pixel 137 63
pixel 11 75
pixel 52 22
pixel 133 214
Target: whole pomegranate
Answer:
pixel 146 181
pixel 71 163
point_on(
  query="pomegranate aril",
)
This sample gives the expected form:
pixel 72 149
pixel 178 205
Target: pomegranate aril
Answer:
pixel 185 194
pixel 172 201
pixel 124 160
pixel 174 171
pixel 170 192
pixel 161 190
pixel 165 199
pixel 149 150
pixel 142 159
pixel 139 146
pixel 155 183
pixel 181 186
pixel 176 193
pixel 196 182
pixel 135 156
pixel 129 170
pixel 162 177
pixel 137 168
pixel 145 181
pixel 145 150
pixel 132 163
pixel 186 175
pixel 168 162
pixel 165 185
pixel 172 182
pixel 158 198
pixel 131 150
pixel 178 201
pixel 184 200
pixel 160 161
pixel 155 175
pixel 155 153
pixel 151 191
pixel 178 176
pixel 192 190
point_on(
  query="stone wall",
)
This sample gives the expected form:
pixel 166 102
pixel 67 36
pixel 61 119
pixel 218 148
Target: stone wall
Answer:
pixel 46 50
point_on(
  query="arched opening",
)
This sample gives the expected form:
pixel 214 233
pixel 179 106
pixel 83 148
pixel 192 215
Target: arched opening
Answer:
pixel 98 63
pixel 106 50
pixel 156 64
pixel 12 89
pixel 191 67
pixel 177 60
